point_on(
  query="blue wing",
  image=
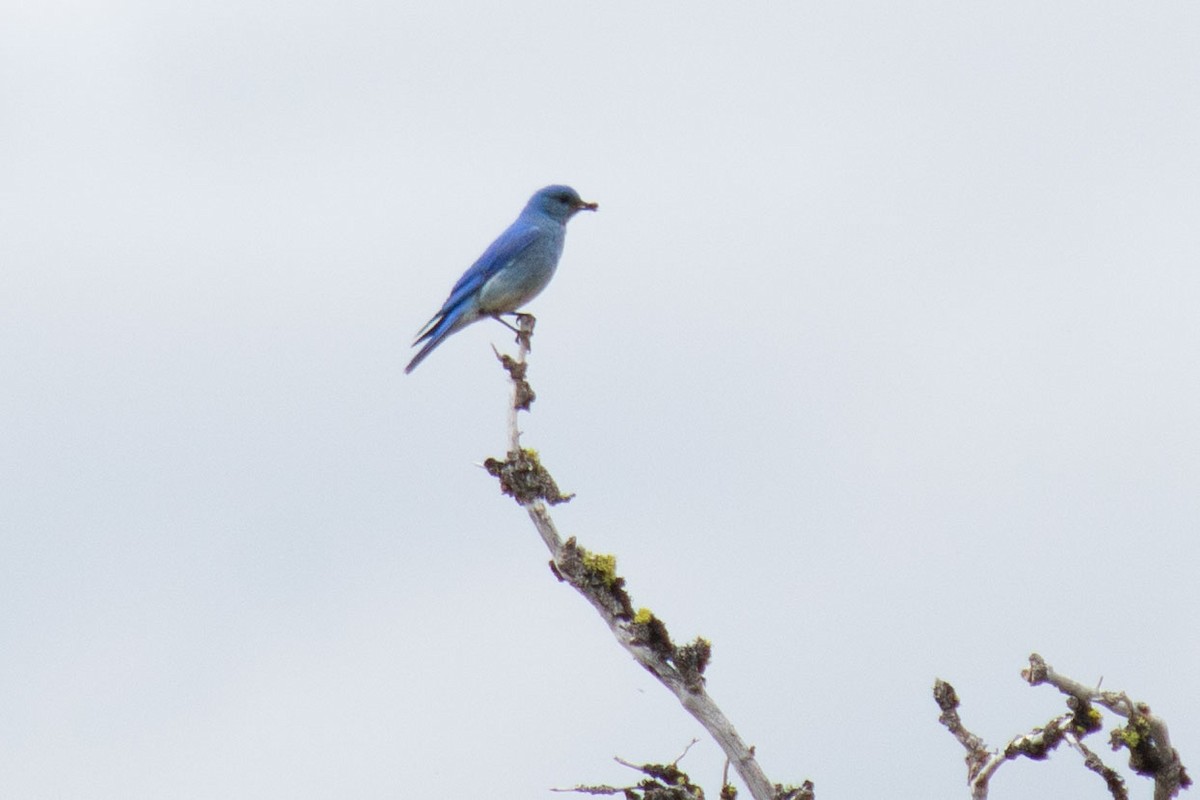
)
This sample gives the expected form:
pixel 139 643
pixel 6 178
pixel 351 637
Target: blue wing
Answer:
pixel 457 312
pixel 507 248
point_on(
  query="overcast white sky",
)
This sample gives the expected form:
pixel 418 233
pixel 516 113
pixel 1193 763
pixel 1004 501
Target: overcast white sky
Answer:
pixel 878 363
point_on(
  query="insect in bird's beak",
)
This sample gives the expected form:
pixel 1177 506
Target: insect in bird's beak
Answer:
pixel 586 206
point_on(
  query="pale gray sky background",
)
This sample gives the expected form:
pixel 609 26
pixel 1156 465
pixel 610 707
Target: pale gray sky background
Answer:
pixel 878 363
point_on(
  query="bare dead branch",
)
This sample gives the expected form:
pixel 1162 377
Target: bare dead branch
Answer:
pixel 982 763
pixel 978 755
pixel 663 782
pixel 643 635
pixel 1145 736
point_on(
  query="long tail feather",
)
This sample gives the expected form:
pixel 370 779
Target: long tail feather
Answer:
pixel 438 330
pixel 419 357
pixel 435 338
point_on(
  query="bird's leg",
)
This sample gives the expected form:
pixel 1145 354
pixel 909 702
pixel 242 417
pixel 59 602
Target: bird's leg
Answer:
pixel 525 323
pixel 499 317
pixel 523 329
pixel 512 328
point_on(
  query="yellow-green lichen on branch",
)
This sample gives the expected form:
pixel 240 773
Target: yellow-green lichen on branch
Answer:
pixel 1132 734
pixel 1087 720
pixel 594 574
pixel 602 565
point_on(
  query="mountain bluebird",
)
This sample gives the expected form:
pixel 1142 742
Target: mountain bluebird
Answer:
pixel 511 272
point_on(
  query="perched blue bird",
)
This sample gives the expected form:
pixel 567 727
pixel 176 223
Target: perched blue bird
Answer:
pixel 511 272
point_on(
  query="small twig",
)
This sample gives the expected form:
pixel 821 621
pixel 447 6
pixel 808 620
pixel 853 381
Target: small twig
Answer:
pixel 728 790
pixel 977 752
pixel 690 745
pixel 1112 779
pixel 663 781
pixel 581 789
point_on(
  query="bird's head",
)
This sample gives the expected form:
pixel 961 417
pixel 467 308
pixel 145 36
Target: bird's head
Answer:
pixel 560 202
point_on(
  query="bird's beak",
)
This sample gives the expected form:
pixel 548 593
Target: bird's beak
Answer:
pixel 586 206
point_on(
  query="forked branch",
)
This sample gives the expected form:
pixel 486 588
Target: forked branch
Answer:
pixel 1143 735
